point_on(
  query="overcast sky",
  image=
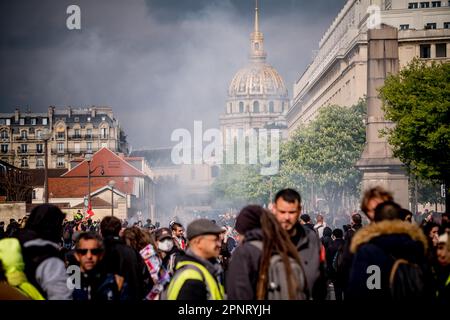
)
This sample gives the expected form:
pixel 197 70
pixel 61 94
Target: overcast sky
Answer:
pixel 161 64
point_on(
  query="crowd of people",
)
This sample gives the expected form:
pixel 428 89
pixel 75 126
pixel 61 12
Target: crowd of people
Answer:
pixel 266 255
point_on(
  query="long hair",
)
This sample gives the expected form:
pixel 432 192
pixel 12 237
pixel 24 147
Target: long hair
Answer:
pixel 137 238
pixel 276 240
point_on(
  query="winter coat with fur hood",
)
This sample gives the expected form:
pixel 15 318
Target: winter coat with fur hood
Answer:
pixel 380 244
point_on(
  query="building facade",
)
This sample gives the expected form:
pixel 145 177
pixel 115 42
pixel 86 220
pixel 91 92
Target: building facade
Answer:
pixel 338 73
pixel 257 95
pixel 73 133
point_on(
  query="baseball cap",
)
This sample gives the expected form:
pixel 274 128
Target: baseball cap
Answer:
pixel 162 233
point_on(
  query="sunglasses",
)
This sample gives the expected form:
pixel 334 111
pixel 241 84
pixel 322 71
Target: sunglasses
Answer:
pixel 95 251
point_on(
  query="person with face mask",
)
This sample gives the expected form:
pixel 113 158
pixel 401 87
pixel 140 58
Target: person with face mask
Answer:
pixel 161 259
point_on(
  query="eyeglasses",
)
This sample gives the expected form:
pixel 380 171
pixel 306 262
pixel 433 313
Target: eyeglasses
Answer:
pixel 95 251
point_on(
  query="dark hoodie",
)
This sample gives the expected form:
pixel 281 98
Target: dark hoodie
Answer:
pixel 380 244
pixel 40 240
pixel 243 269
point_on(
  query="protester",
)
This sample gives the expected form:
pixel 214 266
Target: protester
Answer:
pixel 44 264
pixel 178 235
pixel 287 209
pixel 320 225
pixel 197 275
pixel 247 277
pixel 120 259
pixel 305 220
pixel 443 268
pixel 398 250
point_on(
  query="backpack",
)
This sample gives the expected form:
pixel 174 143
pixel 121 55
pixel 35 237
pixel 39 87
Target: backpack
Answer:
pixel 277 282
pixel 338 259
pixel 406 280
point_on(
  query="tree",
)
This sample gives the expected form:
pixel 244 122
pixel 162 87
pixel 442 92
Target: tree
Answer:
pixel 417 101
pixel 325 151
pixel 319 156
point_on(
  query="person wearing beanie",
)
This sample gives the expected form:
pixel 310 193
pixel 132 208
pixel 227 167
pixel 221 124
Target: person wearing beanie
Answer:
pixel 247 276
pixel 197 273
pixel 44 264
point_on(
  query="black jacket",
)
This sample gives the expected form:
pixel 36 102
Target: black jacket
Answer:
pixel 124 261
pixel 379 244
pixel 330 254
pixel 243 268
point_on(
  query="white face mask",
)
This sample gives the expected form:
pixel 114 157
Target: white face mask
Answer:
pixel 165 245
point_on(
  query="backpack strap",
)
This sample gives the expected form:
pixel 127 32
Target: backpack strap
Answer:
pixel 394 269
pixel 257 243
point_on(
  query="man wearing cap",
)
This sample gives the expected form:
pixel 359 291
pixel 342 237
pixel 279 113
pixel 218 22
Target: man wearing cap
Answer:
pixel 197 273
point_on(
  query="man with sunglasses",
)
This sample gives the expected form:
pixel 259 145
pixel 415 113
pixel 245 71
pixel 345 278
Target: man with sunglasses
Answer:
pixel 95 284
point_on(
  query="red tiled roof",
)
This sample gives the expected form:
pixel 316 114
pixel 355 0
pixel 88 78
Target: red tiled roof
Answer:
pixel 96 203
pixel 77 187
pixel 113 165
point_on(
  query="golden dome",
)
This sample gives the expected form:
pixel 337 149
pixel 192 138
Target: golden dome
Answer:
pixel 257 79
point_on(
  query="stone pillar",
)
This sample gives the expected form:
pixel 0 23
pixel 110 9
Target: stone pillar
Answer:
pixel 377 163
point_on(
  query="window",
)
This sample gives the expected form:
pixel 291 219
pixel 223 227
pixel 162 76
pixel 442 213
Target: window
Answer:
pixel 103 133
pixel 282 107
pixel 412 5
pixel 104 145
pixel 24 163
pixel 89 146
pixel 4 135
pixel 404 26
pixel 44 121
pixel 436 4
pixel 21 121
pixel 446 26
pixel 23 134
pixel 77 134
pixel 88 119
pixel 39 163
pixel 256 107
pixel 77 119
pixel 89 134
pixel 430 26
pixel 214 171
pixel 33 121
pixel 60 135
pixel 33 193
pixel 2 122
pixel 39 148
pixel 424 4
pixel 241 107
pixel 8 122
pixel 60 162
pixel 441 50
pixel 425 51
pixel 4 148
pixel 23 148
pixel 60 146
pixel 103 118
pixel 271 107
pixel 77 147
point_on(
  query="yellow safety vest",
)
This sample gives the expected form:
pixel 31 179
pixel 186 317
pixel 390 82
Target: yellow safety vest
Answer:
pixel 198 272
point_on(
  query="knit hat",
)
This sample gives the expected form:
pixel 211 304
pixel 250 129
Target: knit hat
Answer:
pixel 249 218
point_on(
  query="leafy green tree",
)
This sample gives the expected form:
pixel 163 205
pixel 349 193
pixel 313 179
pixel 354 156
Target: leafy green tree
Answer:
pixel 417 101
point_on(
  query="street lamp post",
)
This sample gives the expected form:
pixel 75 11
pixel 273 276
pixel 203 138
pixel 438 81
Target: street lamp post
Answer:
pixel 46 136
pixel 111 184
pixel 88 157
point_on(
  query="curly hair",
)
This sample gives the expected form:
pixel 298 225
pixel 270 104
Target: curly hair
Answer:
pixel 137 238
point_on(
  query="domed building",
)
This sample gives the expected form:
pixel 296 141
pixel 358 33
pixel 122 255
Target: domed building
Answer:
pixel 257 95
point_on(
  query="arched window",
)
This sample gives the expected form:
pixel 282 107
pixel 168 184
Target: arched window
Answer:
pixel 256 107
pixel 23 134
pixel 271 107
pixel 241 107
pixel 4 134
